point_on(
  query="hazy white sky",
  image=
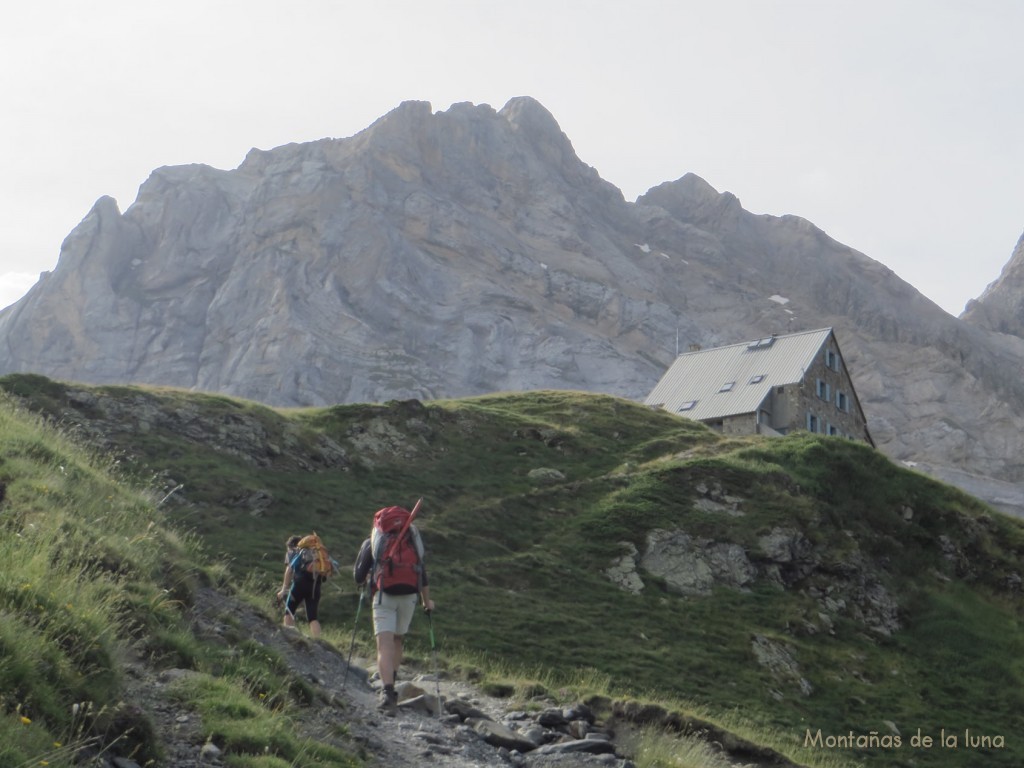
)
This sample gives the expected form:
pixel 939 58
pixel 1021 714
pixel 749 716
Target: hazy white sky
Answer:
pixel 897 126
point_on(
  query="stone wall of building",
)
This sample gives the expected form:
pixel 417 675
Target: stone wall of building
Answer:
pixel 827 394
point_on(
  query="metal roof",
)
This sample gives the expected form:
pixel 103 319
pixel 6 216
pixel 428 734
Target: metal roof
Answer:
pixel 702 378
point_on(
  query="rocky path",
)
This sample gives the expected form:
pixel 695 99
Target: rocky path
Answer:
pixel 469 730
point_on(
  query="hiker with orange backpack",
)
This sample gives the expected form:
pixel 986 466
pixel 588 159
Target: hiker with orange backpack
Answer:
pixel 391 560
pixel 308 565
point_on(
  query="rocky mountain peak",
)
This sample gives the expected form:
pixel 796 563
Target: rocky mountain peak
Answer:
pixel 1001 307
pixel 452 253
pixel 403 124
pixel 537 126
pixel 693 199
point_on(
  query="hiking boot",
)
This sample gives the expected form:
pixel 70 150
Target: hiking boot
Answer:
pixel 388 701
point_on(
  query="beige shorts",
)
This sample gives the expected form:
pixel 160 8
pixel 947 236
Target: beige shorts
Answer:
pixel 393 613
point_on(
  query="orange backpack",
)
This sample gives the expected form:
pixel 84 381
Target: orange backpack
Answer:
pixel 313 557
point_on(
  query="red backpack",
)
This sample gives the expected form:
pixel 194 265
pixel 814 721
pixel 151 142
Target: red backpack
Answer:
pixel 397 556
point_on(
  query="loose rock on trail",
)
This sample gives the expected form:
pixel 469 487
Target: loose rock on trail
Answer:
pixel 466 729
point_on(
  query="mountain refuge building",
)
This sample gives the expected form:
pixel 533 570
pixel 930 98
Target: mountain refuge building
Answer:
pixel 769 386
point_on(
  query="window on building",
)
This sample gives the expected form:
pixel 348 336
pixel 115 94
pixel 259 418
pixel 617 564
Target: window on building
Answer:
pixel 821 388
pixel 831 360
pixel 767 341
pixel 842 402
pixel 812 422
pixel 727 387
pixel 757 379
pixel 688 406
pixel 833 430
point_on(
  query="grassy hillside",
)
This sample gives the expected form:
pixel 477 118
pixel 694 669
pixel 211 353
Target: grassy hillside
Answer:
pixel 898 610
pixel 92 582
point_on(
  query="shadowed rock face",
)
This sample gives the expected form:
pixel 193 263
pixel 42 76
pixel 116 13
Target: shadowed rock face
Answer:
pixel 468 251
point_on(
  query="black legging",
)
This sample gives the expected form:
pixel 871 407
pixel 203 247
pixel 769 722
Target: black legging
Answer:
pixel 305 590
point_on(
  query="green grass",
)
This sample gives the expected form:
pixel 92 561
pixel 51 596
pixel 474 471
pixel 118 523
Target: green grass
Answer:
pixel 252 730
pixel 517 565
pixel 89 565
pixel 655 748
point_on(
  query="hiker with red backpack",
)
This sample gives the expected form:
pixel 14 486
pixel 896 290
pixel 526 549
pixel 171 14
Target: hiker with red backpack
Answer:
pixel 391 561
pixel 308 565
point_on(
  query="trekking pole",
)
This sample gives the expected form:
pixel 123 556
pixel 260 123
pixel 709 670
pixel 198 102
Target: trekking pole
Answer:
pixel 291 588
pixel 352 645
pixel 288 599
pixel 433 651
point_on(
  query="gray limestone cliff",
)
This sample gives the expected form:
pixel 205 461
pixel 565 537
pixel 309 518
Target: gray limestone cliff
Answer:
pixel 444 254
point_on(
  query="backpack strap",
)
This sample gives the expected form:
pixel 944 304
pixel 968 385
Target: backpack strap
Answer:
pixel 298 568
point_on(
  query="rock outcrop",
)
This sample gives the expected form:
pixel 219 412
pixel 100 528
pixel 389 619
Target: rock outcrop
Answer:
pixel 693 567
pixel 468 251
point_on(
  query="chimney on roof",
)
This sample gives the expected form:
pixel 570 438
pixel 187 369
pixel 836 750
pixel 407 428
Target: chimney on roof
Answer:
pixel 695 347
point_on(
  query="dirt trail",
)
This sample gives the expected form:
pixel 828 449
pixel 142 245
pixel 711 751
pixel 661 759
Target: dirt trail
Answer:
pixel 346 717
